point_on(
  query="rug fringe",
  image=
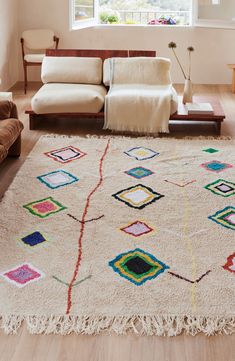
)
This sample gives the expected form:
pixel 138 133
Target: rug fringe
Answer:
pixel 143 137
pixel 121 325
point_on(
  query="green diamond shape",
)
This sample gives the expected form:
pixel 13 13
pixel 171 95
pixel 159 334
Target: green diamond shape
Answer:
pixel 222 188
pixel 210 150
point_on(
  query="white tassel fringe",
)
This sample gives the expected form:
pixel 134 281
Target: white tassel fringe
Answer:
pixel 121 325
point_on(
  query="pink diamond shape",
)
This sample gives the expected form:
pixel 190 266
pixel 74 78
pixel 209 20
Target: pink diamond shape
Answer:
pixel 22 275
pixel 45 207
pixel 137 229
pixel 66 154
pixel 230 218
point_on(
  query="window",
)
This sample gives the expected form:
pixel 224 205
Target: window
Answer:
pixel 216 13
pixel 84 12
pixel 129 12
pixel 212 13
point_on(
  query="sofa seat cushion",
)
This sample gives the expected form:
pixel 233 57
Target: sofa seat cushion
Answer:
pixel 68 98
pixel 10 130
pixel 34 58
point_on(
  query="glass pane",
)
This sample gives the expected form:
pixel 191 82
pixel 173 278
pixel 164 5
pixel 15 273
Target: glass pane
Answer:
pixel 84 9
pixel 218 10
pixel 152 12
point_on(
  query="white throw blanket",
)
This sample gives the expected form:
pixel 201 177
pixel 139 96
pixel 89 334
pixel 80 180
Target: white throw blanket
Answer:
pixel 141 97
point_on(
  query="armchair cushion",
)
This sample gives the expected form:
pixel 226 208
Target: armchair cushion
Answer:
pixel 10 129
pixel 8 110
pixel 71 70
pixel 34 58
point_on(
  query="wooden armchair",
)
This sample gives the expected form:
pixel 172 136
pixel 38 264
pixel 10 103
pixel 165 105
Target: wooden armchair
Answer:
pixel 33 45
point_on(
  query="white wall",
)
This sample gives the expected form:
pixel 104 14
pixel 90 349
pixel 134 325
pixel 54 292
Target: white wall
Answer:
pixel 9 47
pixel 214 47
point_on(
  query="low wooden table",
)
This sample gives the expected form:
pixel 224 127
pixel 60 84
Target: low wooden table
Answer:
pixel 217 118
pixel 181 115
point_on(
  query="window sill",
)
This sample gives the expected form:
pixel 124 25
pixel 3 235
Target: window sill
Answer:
pixel 204 24
pixel 111 26
pixel 215 24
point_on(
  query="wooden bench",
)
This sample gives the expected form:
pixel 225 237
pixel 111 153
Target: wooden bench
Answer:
pixel 180 116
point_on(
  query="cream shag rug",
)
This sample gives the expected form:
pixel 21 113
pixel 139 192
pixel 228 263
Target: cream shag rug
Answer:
pixel 120 235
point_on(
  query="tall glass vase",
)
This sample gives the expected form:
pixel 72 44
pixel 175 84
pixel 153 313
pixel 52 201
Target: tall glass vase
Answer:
pixel 188 92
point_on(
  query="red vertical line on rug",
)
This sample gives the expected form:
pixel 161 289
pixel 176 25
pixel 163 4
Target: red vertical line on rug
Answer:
pixel 82 227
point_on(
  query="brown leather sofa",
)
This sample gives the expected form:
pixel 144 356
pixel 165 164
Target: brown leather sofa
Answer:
pixel 10 130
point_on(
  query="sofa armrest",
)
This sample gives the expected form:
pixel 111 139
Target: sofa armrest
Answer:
pixel 8 110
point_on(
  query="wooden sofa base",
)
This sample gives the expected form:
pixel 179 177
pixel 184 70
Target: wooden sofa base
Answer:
pixel 179 117
pixel 35 119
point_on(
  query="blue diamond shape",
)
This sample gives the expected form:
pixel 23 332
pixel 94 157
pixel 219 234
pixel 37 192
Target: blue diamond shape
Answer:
pixel 33 239
pixel 56 179
pixel 216 166
pixel 139 172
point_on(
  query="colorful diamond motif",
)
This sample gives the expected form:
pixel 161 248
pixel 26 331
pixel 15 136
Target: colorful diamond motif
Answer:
pixel 141 153
pixel 56 179
pixel 33 239
pixel 137 229
pixel 137 266
pixel 138 196
pixel 222 188
pixel 230 265
pixel 65 155
pixel 139 172
pixel 225 217
pixel 216 166
pixel 44 207
pixel 210 150
pixel 22 275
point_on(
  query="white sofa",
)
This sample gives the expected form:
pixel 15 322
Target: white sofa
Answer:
pixel 74 86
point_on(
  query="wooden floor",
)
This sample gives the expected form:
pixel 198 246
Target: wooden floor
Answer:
pixel 25 347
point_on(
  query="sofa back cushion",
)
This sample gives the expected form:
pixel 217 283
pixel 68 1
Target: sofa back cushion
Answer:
pixel 71 70
pixel 137 70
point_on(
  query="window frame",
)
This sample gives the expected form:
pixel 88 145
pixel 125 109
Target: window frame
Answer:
pixel 210 23
pixel 86 23
pixel 94 22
